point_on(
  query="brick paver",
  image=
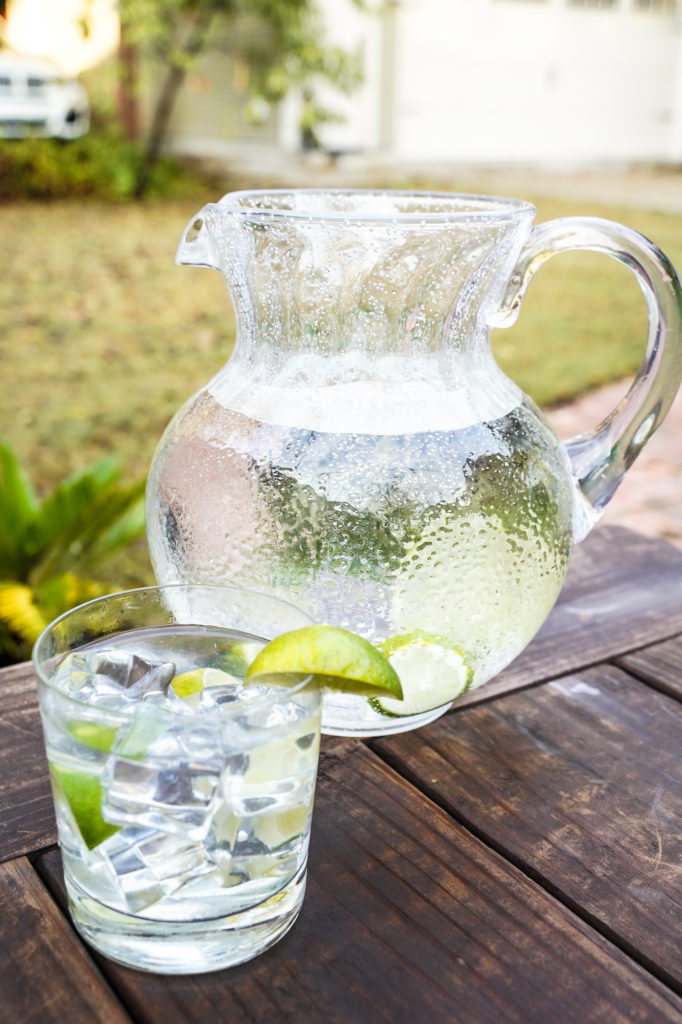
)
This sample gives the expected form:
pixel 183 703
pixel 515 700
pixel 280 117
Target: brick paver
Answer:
pixel 650 498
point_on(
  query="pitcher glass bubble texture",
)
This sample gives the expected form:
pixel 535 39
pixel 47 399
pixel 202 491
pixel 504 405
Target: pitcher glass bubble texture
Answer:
pixel 363 455
pixel 183 797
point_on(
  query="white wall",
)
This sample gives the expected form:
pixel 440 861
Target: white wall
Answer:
pixel 517 81
pixel 358 32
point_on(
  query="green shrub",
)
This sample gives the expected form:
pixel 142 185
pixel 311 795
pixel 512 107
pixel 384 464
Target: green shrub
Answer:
pixel 51 550
pixel 101 164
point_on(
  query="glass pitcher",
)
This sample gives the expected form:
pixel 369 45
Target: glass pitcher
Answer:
pixel 363 455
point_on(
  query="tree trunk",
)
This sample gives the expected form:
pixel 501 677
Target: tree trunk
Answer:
pixel 193 45
pixel 128 99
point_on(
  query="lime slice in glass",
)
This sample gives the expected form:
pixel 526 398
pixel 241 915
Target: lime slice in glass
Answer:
pixel 95 735
pixel 238 656
pixel 276 830
pixel 338 659
pixel 433 672
pixel 188 685
pixel 83 794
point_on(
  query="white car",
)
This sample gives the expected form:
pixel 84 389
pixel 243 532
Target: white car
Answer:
pixel 36 100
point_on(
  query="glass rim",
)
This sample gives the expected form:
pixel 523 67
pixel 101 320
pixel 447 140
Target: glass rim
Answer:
pixel 277 693
pixel 464 206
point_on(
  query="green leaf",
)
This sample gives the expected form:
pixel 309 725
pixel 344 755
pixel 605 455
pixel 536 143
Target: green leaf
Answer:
pixel 19 508
pixel 49 552
pixel 127 527
pixel 59 593
pixel 101 526
pixel 69 501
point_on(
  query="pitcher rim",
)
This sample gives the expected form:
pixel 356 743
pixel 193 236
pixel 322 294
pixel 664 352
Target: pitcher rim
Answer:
pixel 479 206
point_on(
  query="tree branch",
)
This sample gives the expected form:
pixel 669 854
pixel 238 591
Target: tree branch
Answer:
pixel 193 45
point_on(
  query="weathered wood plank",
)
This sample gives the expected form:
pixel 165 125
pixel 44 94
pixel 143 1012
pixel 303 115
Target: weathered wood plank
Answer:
pixel 660 665
pixel 45 973
pixel 408 917
pixel 622 591
pixel 27 820
pixel 580 782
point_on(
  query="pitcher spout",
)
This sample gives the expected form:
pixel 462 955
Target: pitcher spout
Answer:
pixel 197 247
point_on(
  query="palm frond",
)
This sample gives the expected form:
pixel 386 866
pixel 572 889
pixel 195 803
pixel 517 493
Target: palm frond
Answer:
pixel 18 508
pixel 127 527
pixel 65 506
pixel 113 517
pixel 50 551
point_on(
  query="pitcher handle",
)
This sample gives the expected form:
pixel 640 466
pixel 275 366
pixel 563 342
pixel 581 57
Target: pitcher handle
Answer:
pixel 600 458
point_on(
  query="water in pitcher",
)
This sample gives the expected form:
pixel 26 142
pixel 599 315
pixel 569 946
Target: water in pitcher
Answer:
pixel 459 530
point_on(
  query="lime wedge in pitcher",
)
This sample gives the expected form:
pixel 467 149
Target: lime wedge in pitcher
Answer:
pixel 433 672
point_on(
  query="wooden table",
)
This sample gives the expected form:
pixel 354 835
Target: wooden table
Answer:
pixel 520 859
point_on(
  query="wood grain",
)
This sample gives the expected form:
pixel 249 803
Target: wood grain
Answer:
pixel 579 781
pixel 660 665
pixel 45 974
pixel 26 812
pixel 623 591
pixel 408 917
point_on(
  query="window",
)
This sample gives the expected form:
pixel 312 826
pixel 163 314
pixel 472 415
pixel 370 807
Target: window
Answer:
pixel 594 4
pixel 35 84
pixel 656 6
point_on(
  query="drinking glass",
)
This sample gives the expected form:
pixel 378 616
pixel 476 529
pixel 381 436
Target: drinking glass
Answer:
pixel 183 796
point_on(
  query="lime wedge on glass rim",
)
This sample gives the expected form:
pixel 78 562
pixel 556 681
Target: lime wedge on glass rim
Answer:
pixel 339 660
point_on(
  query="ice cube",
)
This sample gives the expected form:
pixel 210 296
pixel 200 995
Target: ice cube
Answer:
pixel 128 675
pixel 282 715
pixel 249 847
pixel 136 883
pixel 164 773
pixel 148 866
pixel 218 696
pixel 229 838
pixel 261 847
pixel 92 674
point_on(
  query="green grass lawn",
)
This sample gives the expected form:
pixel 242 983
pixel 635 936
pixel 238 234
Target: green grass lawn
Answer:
pixel 104 337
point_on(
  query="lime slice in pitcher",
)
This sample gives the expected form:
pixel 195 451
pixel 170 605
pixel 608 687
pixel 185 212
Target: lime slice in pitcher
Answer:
pixel 433 672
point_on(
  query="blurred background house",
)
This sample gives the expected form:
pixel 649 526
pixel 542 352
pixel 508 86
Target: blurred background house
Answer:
pixel 551 83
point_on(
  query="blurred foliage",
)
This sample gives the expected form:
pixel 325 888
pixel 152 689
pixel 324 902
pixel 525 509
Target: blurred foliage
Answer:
pixel 284 43
pixel 101 164
pixel 51 550
pixel 280 44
